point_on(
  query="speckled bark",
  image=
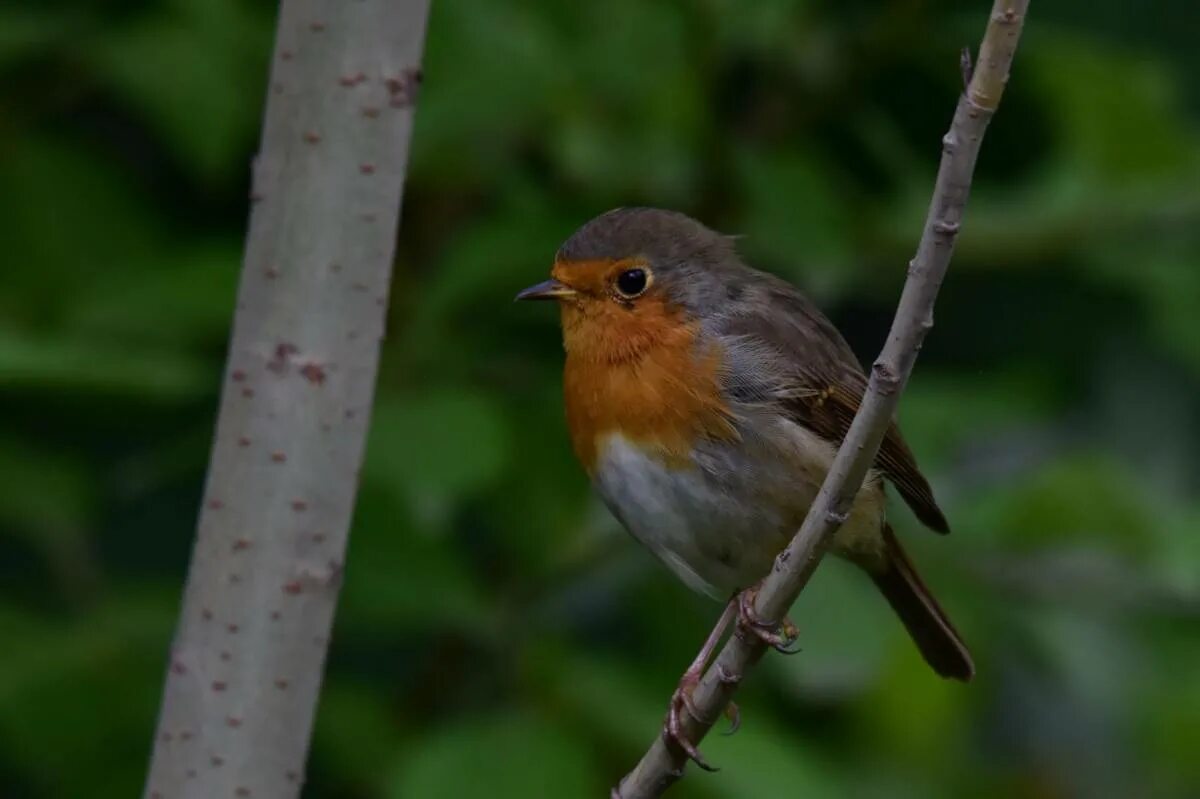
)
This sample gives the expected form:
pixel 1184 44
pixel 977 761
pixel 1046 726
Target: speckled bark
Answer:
pixel 245 666
pixel 663 764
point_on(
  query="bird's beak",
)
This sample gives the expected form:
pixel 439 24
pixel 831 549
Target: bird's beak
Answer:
pixel 546 290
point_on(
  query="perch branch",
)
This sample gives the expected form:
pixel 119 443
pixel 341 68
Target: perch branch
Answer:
pixel 663 763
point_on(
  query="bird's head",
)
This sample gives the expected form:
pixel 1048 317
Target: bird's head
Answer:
pixel 634 276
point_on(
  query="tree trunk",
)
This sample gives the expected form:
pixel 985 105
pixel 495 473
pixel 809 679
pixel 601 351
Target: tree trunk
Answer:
pixel 245 667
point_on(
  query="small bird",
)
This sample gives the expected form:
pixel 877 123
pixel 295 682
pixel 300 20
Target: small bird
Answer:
pixel 706 401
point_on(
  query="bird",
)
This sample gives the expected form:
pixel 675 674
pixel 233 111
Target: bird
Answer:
pixel 706 401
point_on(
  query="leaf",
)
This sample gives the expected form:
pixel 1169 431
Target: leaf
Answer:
pixel 940 413
pixel 53 669
pixel 185 295
pixel 490 262
pixel 847 631
pixel 767 759
pixel 793 219
pixel 386 542
pixel 56 237
pixel 189 63
pixel 491 72
pixel 510 756
pixel 28 31
pixel 47 500
pixel 915 717
pixel 354 730
pixel 436 447
pixel 619 702
pixel 1166 724
pixel 1165 279
pixel 768 27
pixel 542 505
pixel 1175 562
pixel 81 366
pixel 1085 500
pixel 635 137
pixel 1103 100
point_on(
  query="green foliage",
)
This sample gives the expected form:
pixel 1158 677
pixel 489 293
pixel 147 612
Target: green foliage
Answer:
pixel 497 631
pixel 479 752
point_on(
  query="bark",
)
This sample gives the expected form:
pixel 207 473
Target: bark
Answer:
pixel 663 764
pixel 246 664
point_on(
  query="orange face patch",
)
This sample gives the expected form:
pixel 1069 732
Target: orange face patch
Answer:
pixel 634 368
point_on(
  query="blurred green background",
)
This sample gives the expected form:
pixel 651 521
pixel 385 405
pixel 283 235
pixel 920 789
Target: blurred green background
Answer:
pixel 497 628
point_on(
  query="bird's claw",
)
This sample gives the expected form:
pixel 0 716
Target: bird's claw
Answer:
pixel 673 727
pixel 735 718
pixel 780 637
pixel 673 731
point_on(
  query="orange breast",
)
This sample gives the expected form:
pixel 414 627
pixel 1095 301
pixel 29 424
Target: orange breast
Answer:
pixel 638 372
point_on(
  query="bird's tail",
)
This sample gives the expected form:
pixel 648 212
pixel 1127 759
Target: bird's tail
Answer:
pixel 925 620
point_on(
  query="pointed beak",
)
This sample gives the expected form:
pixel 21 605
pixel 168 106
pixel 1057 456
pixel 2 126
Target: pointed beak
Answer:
pixel 546 290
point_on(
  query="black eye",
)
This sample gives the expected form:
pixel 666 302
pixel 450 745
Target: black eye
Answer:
pixel 632 282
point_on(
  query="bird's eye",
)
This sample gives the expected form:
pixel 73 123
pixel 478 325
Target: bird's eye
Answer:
pixel 632 282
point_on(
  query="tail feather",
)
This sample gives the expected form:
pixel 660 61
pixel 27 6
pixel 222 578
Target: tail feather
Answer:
pixel 925 620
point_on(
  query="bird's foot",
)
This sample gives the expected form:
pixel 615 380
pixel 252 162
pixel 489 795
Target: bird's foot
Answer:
pixel 674 731
pixel 734 716
pixel 673 727
pixel 681 702
pixel 781 637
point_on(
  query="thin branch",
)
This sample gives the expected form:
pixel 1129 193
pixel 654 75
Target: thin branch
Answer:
pixel 245 667
pixel 663 763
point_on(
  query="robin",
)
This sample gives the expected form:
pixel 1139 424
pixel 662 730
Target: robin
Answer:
pixel 706 401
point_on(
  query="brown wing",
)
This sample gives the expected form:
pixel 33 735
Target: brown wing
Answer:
pixel 824 382
pixel 830 411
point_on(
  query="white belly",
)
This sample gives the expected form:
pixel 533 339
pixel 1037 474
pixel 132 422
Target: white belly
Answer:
pixel 719 524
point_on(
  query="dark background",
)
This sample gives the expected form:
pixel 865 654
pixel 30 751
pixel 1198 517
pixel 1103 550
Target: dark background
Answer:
pixel 497 630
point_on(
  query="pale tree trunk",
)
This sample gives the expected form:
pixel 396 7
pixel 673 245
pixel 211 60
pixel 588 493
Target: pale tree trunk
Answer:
pixel 246 664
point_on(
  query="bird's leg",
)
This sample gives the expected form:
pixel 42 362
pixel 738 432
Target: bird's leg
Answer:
pixel 681 700
pixel 780 637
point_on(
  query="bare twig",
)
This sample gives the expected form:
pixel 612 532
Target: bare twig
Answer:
pixel 663 763
pixel 245 666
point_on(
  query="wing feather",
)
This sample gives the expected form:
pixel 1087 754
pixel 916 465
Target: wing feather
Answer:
pixel 781 350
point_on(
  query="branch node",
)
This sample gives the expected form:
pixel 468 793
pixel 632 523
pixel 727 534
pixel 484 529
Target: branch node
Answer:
pixel 886 379
pixel 836 517
pixel 725 676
